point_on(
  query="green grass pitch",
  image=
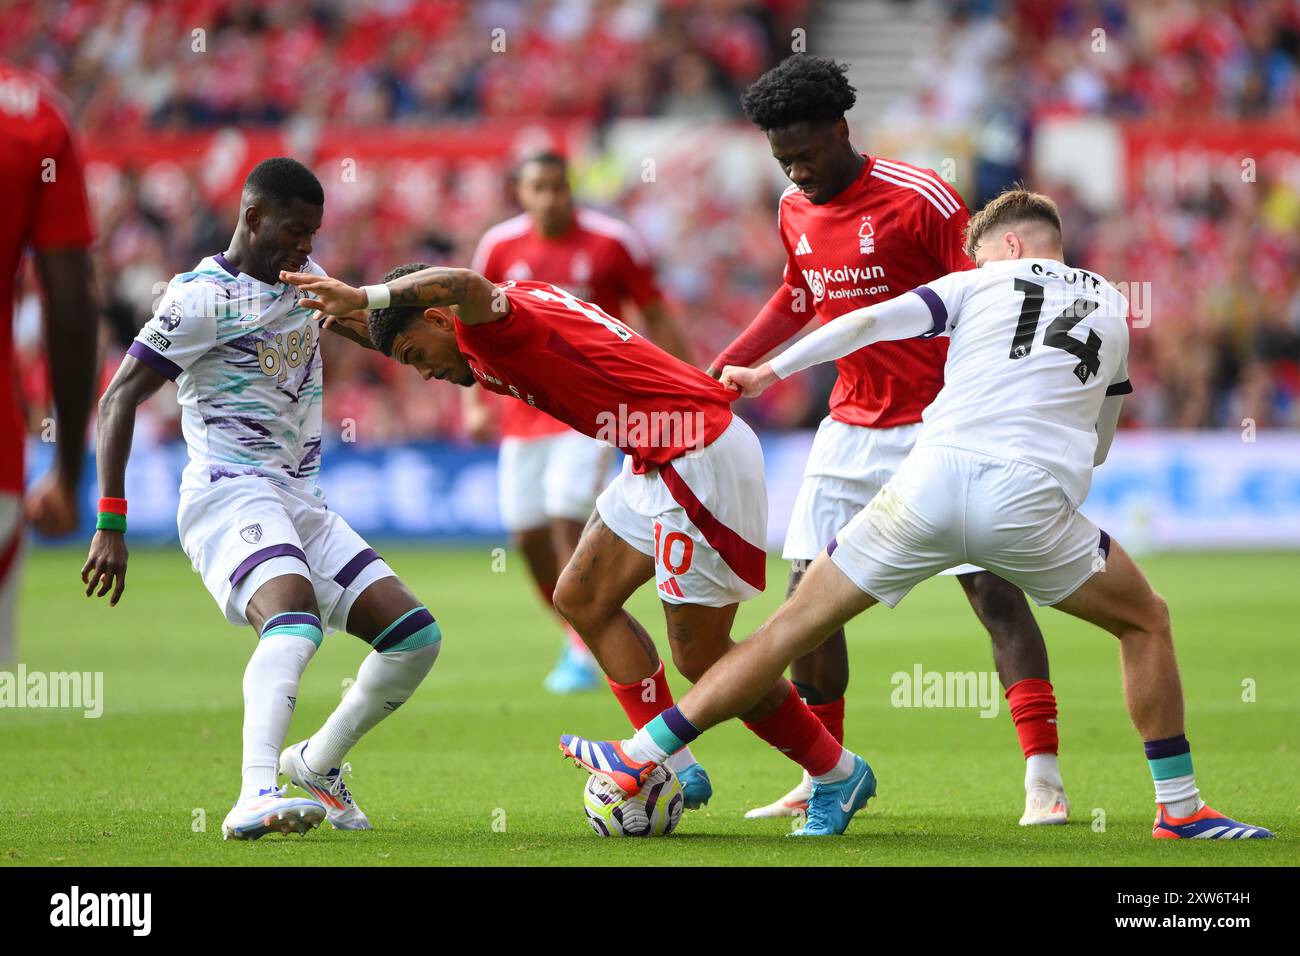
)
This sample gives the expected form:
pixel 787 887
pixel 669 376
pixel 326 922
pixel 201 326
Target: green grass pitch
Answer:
pixel 468 772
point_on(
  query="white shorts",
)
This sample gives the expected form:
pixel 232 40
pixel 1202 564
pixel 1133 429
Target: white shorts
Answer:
pixel 240 533
pixel 946 505
pixel 555 476
pixel 703 518
pixel 847 467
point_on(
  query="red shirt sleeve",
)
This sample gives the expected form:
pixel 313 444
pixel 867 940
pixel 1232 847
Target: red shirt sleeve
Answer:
pixel 776 322
pixel 62 213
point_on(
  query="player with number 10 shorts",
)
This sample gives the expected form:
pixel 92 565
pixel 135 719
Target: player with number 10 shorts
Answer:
pixel 689 508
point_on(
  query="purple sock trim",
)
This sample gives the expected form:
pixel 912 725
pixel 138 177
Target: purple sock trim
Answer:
pixel 682 729
pixel 292 617
pixel 1169 747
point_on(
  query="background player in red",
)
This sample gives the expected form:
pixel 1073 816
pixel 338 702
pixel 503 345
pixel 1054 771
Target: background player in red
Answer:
pixel 45 207
pixel 689 508
pixel 549 474
pixel 859 230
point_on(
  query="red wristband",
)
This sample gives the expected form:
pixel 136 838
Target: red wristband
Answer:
pixel 114 506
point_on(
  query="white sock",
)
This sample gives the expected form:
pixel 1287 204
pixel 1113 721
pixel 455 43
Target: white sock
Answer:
pixel 1043 769
pixel 1179 795
pixel 642 746
pixel 270 692
pixel 842 770
pixel 1185 808
pixel 385 681
pixel 679 761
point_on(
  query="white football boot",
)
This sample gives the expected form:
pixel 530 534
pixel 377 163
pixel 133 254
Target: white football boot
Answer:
pixel 328 788
pixel 271 812
pixel 1045 804
pixel 793 804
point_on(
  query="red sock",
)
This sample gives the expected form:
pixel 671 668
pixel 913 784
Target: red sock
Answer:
pixel 832 717
pixel 796 732
pixel 1033 708
pixel 644 700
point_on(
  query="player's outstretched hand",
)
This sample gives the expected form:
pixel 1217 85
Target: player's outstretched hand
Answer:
pixel 748 381
pixel 106 566
pixel 327 294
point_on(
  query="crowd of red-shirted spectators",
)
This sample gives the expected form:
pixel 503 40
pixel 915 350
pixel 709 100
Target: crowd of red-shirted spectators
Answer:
pixel 1222 266
pixel 1194 60
pixel 1219 261
pixel 132 69
pixel 132 64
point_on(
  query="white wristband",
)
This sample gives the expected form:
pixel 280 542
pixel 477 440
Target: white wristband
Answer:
pixel 377 296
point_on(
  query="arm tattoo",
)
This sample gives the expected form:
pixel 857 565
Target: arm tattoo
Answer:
pixel 431 287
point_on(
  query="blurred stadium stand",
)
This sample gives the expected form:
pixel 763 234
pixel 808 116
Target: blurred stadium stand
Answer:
pixel 1169 131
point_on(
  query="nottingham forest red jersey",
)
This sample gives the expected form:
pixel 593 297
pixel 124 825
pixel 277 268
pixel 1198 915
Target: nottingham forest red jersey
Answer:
pixel 578 364
pixel 599 260
pixel 44 206
pixel 896 227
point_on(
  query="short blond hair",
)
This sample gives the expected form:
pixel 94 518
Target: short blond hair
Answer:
pixel 1015 205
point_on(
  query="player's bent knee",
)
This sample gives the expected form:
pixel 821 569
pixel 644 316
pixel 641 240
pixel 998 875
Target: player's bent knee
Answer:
pixel 582 606
pixel 567 599
pixel 1158 616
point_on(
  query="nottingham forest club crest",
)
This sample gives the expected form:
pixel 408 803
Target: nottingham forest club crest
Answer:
pixel 252 534
pixel 866 236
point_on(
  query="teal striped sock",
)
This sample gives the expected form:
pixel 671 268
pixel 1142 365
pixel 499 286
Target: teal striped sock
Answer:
pixel 298 623
pixel 1170 760
pixel 287 642
pixel 415 629
pixel 662 737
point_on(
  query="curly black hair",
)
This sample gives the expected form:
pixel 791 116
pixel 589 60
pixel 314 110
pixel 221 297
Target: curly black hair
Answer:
pixel 801 88
pixel 280 180
pixel 385 325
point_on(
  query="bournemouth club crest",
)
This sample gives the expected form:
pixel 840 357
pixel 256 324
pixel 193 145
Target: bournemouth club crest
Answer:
pixel 252 534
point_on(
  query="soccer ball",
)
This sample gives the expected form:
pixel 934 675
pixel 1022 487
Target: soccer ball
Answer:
pixel 655 811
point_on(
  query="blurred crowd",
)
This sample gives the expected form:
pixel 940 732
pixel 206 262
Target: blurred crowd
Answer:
pixel 124 62
pixel 1193 60
pixel 133 70
pixel 1223 266
pixel 1219 262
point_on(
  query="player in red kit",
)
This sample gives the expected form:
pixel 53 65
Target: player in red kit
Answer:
pixel 44 207
pixel 689 508
pixel 859 230
pixel 549 474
